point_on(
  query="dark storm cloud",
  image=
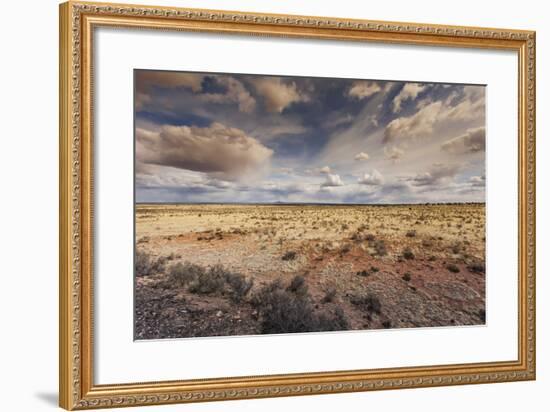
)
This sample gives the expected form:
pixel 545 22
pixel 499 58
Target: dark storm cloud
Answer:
pixel 227 153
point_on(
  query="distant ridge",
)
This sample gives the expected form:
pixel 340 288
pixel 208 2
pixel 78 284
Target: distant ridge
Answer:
pixel 308 204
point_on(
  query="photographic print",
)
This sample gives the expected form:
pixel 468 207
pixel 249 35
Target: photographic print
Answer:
pixel 282 204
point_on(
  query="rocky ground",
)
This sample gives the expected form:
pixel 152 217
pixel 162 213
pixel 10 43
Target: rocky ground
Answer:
pixel 218 270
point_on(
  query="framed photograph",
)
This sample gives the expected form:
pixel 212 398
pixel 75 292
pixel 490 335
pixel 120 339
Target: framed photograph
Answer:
pixel 258 205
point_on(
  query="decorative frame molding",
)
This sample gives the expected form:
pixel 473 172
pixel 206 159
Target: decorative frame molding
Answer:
pixel 77 22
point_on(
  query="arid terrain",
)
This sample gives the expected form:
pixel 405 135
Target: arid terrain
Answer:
pixel 217 270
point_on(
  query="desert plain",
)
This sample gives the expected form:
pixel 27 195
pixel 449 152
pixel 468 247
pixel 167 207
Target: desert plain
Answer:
pixel 238 269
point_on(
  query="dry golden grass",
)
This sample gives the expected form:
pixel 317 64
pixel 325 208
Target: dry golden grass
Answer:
pixel 400 254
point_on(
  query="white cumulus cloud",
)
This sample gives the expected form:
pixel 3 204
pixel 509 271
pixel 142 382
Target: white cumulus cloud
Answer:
pixel 375 178
pixel 361 89
pixel 419 125
pixel 362 156
pixel 393 153
pixel 409 91
pixel 332 181
pixel 278 94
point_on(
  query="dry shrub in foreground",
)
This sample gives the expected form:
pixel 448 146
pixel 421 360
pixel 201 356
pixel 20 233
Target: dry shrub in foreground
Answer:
pixel 380 248
pixel 368 302
pixel 451 267
pixel 146 265
pixel 288 310
pixel 408 253
pixel 298 285
pixel 330 294
pixel 181 274
pixel 208 282
pixel 290 255
pixel 203 281
pixel 477 267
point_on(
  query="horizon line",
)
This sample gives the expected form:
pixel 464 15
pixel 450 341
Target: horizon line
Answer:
pixel 308 203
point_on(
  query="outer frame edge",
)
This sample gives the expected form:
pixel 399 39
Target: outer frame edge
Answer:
pixel 71 396
pixel 65 301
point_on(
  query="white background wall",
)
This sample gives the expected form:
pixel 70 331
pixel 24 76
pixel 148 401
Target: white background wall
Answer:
pixel 28 206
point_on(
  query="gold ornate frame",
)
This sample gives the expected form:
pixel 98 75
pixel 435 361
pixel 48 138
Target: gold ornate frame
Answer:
pixel 76 385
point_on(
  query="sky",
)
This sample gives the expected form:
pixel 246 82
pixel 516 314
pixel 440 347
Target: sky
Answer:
pixel 241 138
